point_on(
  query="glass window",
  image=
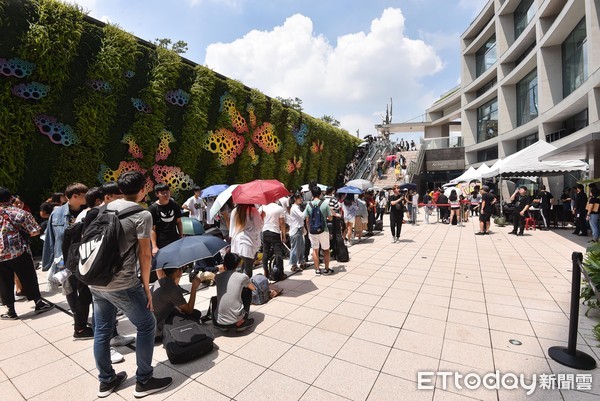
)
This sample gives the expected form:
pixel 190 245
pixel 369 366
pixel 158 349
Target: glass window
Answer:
pixel 486 56
pixel 487 154
pixel 487 121
pixel 489 85
pixel 527 98
pixel 574 59
pixel 529 140
pixel 523 15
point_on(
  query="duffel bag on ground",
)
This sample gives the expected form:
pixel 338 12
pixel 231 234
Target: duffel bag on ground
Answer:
pixel 186 339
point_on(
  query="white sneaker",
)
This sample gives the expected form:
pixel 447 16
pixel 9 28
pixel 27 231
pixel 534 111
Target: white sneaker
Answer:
pixel 115 357
pixel 120 341
pixel 393 240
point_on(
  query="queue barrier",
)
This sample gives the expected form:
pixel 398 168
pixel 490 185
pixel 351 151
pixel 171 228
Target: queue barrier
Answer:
pixel 569 355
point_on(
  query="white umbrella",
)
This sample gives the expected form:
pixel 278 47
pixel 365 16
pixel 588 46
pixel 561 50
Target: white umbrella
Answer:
pixel 360 183
pixel 220 201
pixel 305 188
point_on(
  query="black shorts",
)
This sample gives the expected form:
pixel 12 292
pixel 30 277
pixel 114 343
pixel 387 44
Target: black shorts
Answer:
pixel 484 217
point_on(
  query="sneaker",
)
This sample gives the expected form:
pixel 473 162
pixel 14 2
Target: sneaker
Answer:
pixel 115 356
pixel 9 315
pixel 41 307
pixel 85 334
pixel 107 388
pixel 393 240
pixel 119 341
pixel 154 385
pixel 318 272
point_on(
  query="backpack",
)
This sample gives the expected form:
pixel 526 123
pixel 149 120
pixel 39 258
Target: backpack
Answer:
pixel 99 255
pixel 261 294
pixel 186 339
pixel 317 221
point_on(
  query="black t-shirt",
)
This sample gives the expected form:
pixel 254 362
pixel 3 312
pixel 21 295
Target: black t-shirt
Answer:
pixel 164 217
pixel 488 198
pixel 521 202
pixel 566 203
pixel 594 201
pixel 398 208
pixel 545 199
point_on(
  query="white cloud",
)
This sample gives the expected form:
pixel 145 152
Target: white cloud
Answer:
pixel 349 81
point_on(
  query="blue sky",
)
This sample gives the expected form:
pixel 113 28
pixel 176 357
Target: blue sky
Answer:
pixel 344 58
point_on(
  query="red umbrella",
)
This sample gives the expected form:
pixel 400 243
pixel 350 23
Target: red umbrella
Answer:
pixel 259 192
pixel 390 157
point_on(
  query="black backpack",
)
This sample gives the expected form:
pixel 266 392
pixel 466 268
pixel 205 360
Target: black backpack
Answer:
pixel 99 255
pixel 316 221
pixel 185 338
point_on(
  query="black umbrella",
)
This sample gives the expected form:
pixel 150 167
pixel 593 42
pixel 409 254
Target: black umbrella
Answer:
pixel 409 185
pixel 187 250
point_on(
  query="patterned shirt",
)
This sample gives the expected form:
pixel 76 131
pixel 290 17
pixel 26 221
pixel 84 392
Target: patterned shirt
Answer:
pixel 12 243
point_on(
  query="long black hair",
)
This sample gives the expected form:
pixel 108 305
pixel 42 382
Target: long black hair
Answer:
pixel 453 196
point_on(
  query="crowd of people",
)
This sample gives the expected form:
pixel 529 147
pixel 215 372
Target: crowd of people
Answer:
pixel 306 229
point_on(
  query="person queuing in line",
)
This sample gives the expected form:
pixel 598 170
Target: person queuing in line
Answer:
pixel 398 202
pixel 381 205
pixel 565 199
pixel 427 201
pixel 350 209
pixel 273 234
pixel 79 299
pixel 15 256
pixel 593 207
pixel 454 207
pixel 522 202
pixel 319 240
pixel 130 294
pixel 544 202
pixel 580 212
pixel 166 221
pixel 487 207
pixel 297 231
pixel 196 206
pixel 234 295
pixel 361 216
pixel 444 209
pixel 335 224
pixel 474 202
pixel 245 226
pixel 371 206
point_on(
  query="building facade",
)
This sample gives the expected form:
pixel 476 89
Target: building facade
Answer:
pixel 530 71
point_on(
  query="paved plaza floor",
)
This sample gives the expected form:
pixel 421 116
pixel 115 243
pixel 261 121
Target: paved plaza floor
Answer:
pixel 441 300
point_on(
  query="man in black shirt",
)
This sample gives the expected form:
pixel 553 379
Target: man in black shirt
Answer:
pixel 521 201
pixel 580 211
pixel 544 201
pixel 487 206
pixel 166 221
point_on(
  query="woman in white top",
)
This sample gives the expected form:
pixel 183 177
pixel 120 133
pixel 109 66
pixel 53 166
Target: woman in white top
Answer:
pixel 244 229
pixel 296 223
pixel 454 206
pixel 350 208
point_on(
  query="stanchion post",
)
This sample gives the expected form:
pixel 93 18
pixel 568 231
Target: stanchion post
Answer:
pixel 569 356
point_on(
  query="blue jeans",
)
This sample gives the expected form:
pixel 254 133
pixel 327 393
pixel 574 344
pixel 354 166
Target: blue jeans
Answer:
pixel 297 251
pixel 132 302
pixel 594 225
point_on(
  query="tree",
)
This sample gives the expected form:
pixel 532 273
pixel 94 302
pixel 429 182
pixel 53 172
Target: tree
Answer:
pixel 295 103
pixel 330 120
pixel 178 47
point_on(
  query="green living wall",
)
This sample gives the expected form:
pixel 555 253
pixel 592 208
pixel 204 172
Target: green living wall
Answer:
pixel 84 101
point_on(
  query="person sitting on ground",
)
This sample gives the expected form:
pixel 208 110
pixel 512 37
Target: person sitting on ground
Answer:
pixel 167 297
pixel 234 295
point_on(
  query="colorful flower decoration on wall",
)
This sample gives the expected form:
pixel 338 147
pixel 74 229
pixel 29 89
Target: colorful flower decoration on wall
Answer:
pixel 293 165
pixel 173 177
pixel 317 147
pixel 99 85
pixel 134 149
pixel 170 175
pixel 16 67
pixel 140 105
pixel 59 133
pixel 163 151
pixel 31 90
pixel 178 97
pixel 228 144
pixel 129 74
pixel 300 134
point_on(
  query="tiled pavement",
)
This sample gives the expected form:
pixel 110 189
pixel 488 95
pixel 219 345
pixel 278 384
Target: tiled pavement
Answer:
pixel 442 299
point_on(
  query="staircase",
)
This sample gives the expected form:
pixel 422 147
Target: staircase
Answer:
pixel 389 178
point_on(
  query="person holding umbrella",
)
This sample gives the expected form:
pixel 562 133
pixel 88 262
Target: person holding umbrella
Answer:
pixel 245 227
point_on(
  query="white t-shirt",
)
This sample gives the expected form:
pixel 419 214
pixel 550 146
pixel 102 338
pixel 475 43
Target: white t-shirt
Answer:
pixel 273 212
pixel 196 207
pixel 296 219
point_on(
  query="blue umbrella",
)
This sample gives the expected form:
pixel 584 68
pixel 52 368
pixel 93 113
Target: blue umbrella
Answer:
pixel 213 190
pixel 349 190
pixel 409 185
pixel 187 250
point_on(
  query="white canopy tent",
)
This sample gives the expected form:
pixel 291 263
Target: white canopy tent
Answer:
pixel 466 176
pixel 527 162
